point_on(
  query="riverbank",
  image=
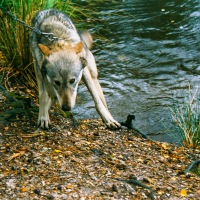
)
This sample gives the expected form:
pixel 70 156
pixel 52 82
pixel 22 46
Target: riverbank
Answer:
pixel 84 160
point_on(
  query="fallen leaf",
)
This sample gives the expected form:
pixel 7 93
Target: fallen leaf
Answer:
pixel 173 178
pixel 165 155
pixel 165 146
pixel 183 193
pixel 6 128
pixel 69 186
pixel 24 189
pixel 30 135
pixel 7 145
pixel 148 180
pixel 42 133
pixel 28 90
pixel 139 159
pixel 22 149
pixel 57 151
pixel 16 155
pixel 161 192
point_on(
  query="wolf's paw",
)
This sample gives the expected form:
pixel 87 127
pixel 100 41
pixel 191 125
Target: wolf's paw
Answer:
pixel 113 124
pixel 43 122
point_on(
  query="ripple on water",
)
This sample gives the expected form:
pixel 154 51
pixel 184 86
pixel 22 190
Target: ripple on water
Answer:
pixel 152 51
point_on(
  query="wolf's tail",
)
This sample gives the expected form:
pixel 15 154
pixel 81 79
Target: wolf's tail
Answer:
pixel 86 38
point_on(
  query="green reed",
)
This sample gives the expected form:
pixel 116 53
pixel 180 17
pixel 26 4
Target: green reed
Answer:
pixel 186 114
pixel 14 38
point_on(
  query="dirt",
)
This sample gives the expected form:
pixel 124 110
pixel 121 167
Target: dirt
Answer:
pixel 85 160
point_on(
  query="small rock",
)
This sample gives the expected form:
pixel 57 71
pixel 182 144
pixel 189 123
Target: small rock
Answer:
pixel 37 191
pixel 11 183
pixel 59 187
pixel 169 188
pixel 188 175
pixel 50 197
pixel 114 188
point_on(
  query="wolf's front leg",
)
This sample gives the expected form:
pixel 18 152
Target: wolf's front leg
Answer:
pixel 100 104
pixel 44 105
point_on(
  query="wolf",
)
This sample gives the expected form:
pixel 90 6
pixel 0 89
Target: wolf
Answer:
pixel 60 63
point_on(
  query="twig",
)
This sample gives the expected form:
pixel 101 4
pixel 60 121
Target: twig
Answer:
pixel 138 183
pixel 192 166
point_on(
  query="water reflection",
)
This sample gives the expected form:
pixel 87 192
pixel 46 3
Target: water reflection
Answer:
pixel 151 52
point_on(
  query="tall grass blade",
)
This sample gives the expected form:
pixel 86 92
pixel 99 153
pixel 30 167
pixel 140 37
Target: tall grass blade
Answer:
pixel 186 115
pixel 14 38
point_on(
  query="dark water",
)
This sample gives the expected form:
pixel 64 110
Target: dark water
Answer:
pixel 152 51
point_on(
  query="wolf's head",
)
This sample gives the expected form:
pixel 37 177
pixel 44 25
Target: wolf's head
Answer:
pixel 62 70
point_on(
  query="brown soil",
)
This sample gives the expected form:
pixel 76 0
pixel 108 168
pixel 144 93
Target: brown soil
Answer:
pixel 88 161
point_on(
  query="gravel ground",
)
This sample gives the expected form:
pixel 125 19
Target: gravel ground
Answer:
pixel 87 161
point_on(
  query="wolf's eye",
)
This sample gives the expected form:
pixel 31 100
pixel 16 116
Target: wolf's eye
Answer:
pixel 57 83
pixel 71 81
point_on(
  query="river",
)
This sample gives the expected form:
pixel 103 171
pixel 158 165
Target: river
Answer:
pixel 149 55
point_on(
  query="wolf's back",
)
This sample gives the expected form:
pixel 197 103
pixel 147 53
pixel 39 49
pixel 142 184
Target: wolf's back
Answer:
pixel 58 16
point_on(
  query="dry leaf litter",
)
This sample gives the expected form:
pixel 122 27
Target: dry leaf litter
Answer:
pixel 89 161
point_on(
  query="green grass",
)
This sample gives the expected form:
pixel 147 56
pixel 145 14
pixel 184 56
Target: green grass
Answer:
pixel 14 38
pixel 186 114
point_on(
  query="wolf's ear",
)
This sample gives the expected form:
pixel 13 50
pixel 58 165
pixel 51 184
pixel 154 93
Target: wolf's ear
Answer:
pixel 44 49
pixel 78 48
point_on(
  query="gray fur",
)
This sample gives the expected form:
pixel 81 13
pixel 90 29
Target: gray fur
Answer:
pixel 60 65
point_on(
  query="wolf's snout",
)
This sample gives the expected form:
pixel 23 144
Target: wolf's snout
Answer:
pixel 66 108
